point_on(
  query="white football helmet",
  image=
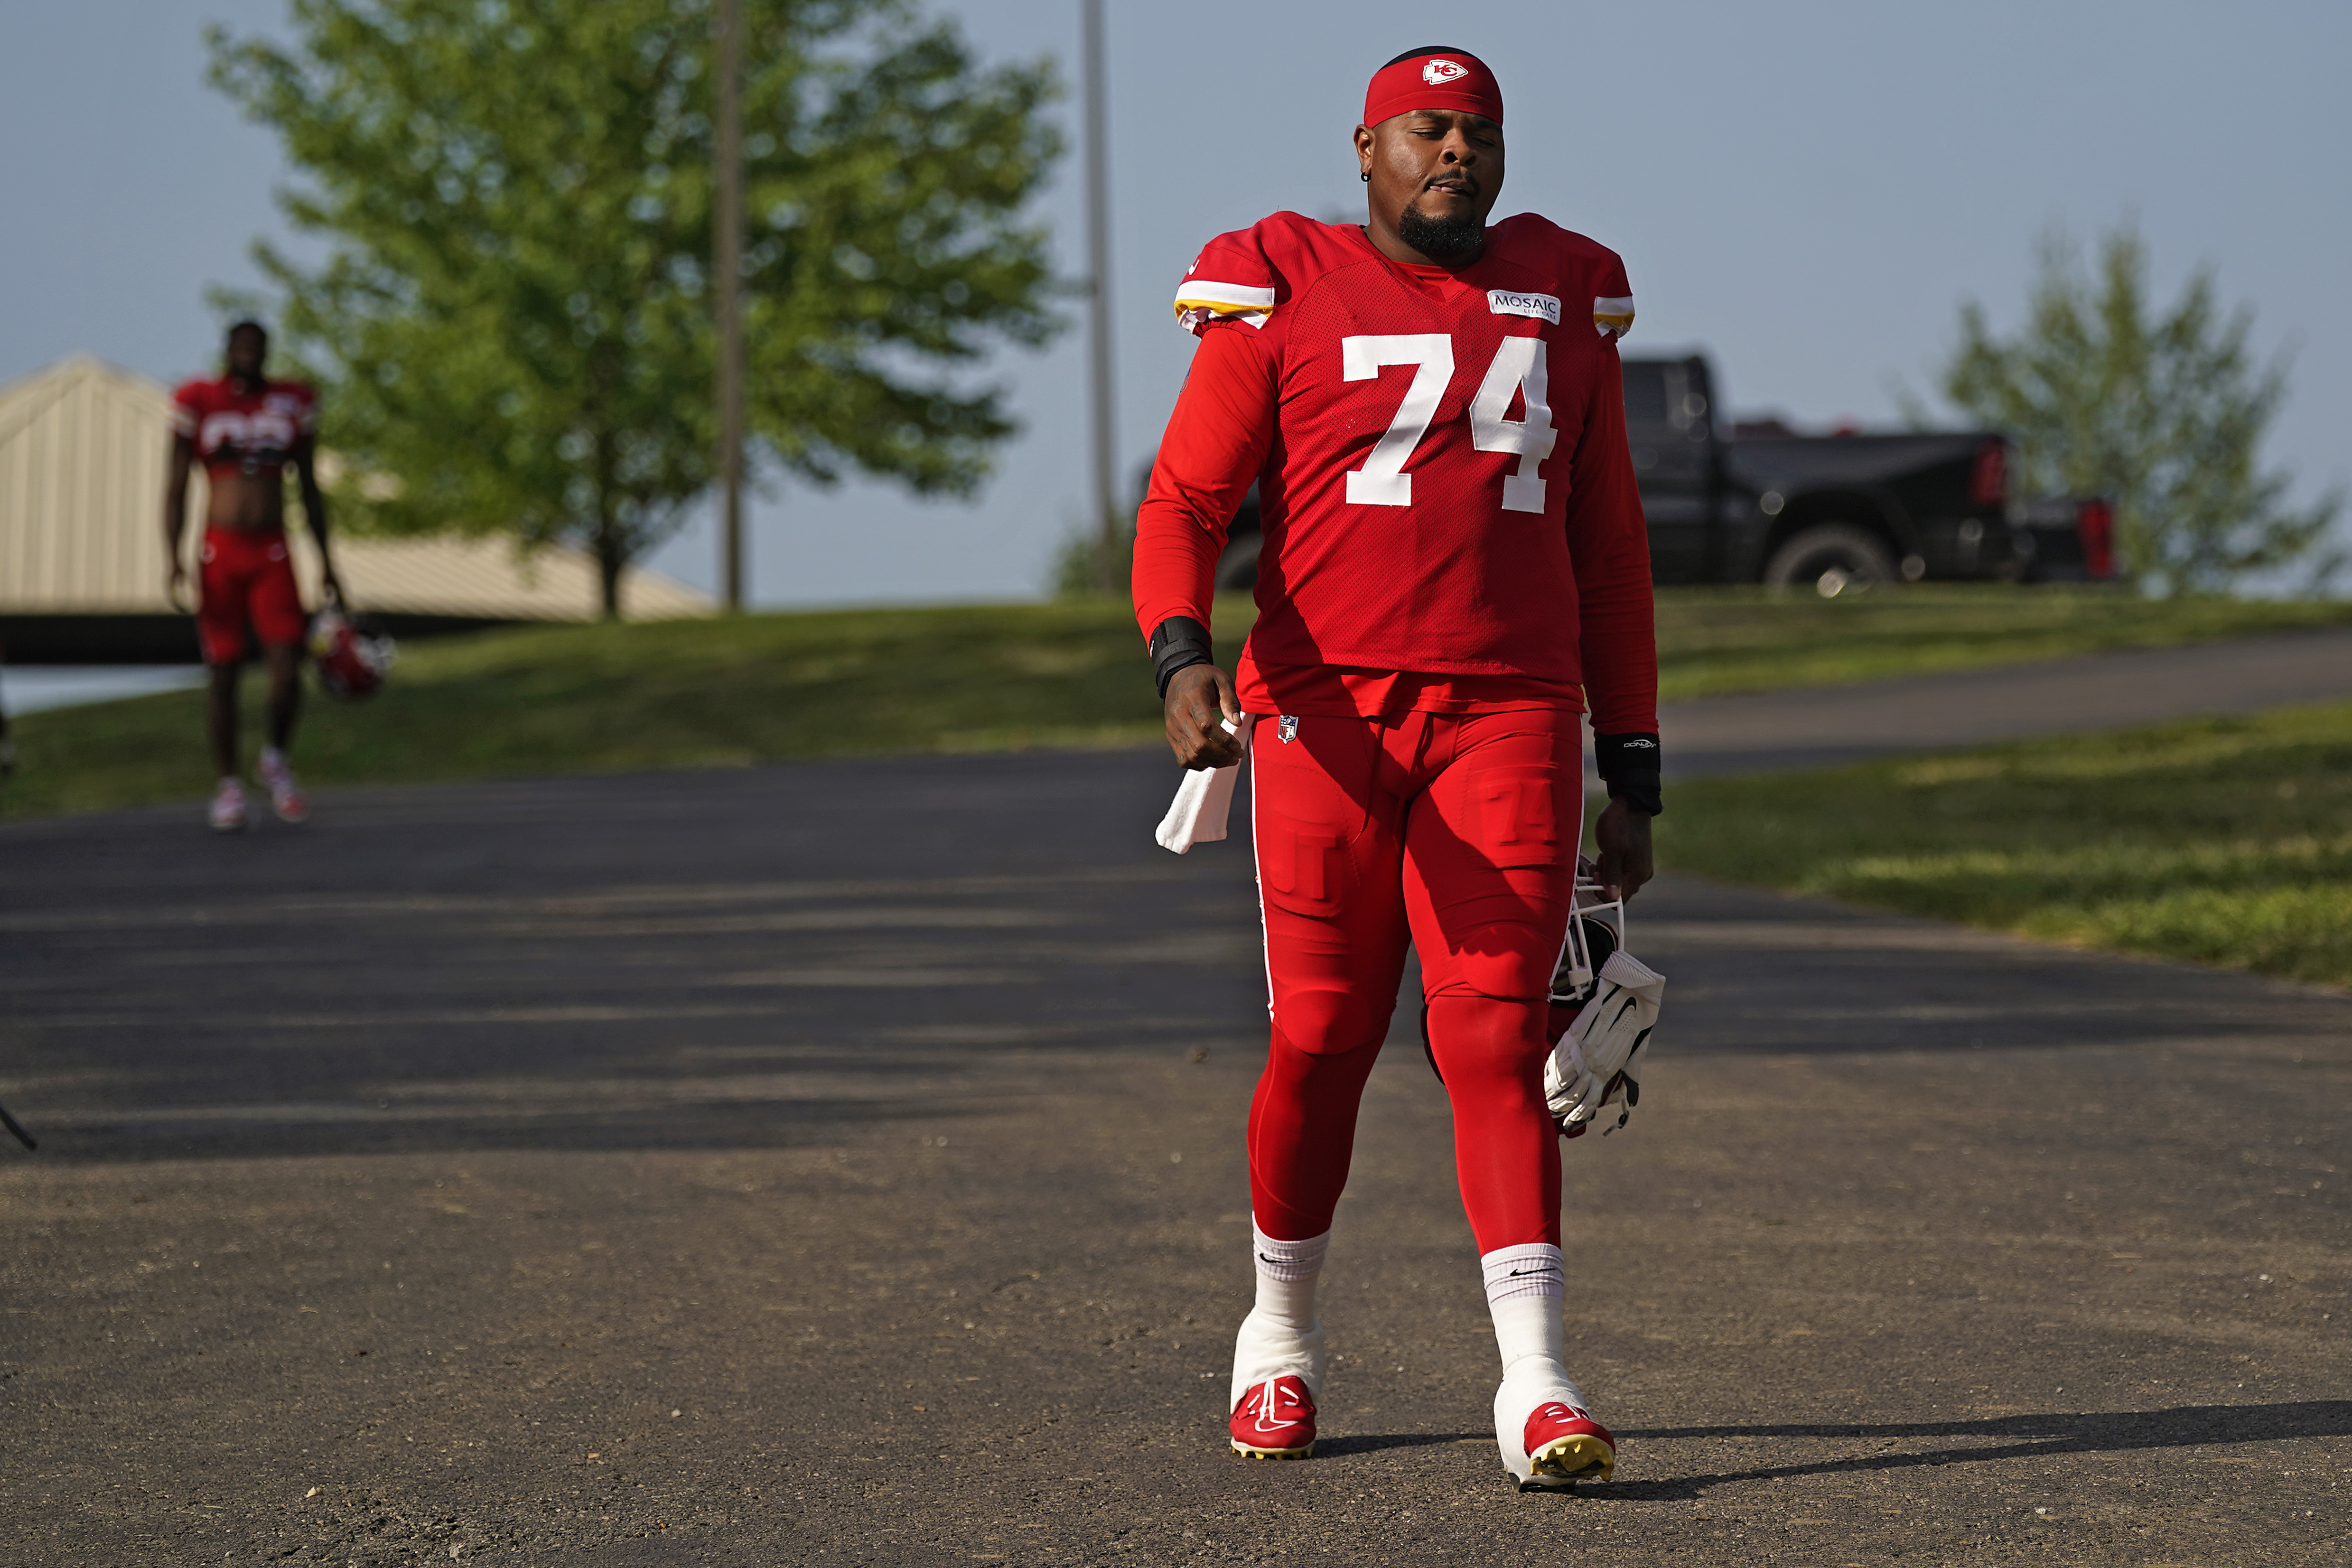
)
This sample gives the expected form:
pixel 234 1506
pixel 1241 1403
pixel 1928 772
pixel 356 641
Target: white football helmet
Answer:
pixel 1596 929
pixel 1593 1070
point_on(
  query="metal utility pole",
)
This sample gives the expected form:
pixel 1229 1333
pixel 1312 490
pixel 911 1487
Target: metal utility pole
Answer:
pixel 1106 455
pixel 726 298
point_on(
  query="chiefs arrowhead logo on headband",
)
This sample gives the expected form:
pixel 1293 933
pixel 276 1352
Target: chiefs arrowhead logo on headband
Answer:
pixel 1433 78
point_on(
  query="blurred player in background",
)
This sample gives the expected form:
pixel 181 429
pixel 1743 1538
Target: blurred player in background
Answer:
pixel 1455 568
pixel 245 430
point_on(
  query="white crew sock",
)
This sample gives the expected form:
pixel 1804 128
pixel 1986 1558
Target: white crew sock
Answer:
pixel 1525 1286
pixel 1281 1335
pixel 1287 1272
pixel 271 757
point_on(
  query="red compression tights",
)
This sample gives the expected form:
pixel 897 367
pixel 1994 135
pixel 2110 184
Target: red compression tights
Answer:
pixel 1458 832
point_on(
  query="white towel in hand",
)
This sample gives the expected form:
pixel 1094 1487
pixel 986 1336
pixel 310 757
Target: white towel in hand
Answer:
pixel 1203 801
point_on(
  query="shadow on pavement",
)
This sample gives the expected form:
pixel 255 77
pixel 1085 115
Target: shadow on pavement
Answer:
pixel 316 1129
pixel 1372 1443
pixel 766 958
pixel 2117 1431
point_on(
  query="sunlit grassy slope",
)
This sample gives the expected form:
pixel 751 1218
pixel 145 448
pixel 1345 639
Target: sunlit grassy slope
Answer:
pixel 772 687
pixel 665 694
pixel 2222 841
pixel 1713 642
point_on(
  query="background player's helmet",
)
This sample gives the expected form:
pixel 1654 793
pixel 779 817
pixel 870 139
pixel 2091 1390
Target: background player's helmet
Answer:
pixel 352 653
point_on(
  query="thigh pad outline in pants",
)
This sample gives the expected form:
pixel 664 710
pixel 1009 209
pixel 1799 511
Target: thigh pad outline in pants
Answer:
pixel 1328 859
pixel 224 588
pixel 245 581
pixel 1490 856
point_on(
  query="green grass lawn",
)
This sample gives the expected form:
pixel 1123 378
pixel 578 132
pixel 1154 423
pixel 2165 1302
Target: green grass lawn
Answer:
pixel 1713 642
pixel 662 694
pixel 2224 841
pixel 767 687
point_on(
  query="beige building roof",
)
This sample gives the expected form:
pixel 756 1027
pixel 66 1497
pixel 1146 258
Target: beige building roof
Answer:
pixel 83 453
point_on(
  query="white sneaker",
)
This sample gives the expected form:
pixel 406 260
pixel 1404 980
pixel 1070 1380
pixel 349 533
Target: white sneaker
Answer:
pixel 226 813
pixel 285 795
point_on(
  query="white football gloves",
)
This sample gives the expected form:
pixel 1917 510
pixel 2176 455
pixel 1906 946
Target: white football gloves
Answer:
pixel 1591 1072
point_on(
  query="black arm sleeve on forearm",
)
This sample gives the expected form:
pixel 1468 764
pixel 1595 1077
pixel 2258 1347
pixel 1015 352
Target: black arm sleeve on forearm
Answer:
pixel 1628 766
pixel 1178 643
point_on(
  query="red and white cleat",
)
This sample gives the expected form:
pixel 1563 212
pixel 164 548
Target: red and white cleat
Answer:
pixel 226 813
pixel 1563 1445
pixel 285 795
pixel 1275 1420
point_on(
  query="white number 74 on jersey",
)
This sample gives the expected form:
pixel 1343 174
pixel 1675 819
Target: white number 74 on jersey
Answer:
pixel 1519 366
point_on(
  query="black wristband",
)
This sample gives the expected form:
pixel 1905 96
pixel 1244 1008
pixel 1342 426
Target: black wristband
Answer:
pixel 1178 643
pixel 1628 766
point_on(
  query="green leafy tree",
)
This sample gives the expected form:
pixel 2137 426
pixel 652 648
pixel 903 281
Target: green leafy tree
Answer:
pixel 511 319
pixel 2163 411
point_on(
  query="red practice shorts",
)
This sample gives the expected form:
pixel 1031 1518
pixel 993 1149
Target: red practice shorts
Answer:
pixel 245 580
pixel 1458 832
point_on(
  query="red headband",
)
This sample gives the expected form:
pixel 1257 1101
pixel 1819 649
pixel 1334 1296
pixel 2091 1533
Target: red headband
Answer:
pixel 1433 81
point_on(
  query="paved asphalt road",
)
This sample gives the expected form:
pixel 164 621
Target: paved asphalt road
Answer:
pixel 842 1164
pixel 1809 728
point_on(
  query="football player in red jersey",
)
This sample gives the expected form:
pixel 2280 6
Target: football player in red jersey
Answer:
pixel 246 430
pixel 1455 570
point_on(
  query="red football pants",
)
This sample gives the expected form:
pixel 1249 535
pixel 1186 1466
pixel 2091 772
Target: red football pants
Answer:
pixel 245 579
pixel 1459 832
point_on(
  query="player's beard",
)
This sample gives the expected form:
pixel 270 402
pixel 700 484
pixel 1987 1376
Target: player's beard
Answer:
pixel 1449 242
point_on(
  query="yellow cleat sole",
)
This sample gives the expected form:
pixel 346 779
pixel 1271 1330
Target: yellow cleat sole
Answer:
pixel 1247 1452
pixel 1582 1458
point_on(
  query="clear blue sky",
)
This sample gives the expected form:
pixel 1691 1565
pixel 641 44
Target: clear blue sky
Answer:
pixel 1808 190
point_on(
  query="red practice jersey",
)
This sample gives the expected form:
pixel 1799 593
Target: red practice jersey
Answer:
pixel 1451 515
pixel 245 432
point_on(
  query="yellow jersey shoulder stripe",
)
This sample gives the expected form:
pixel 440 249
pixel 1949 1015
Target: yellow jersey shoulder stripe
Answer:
pixel 1223 298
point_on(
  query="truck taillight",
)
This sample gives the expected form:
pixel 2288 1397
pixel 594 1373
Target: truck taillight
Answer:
pixel 1989 481
pixel 2094 525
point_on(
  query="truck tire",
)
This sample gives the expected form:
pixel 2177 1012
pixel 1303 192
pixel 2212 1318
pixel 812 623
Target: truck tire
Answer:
pixel 1237 567
pixel 1831 558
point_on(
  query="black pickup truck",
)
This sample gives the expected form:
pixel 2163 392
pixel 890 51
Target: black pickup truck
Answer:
pixel 1760 503
pixel 1751 503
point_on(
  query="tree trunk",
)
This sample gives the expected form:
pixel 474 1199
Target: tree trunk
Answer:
pixel 611 561
pixel 611 551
